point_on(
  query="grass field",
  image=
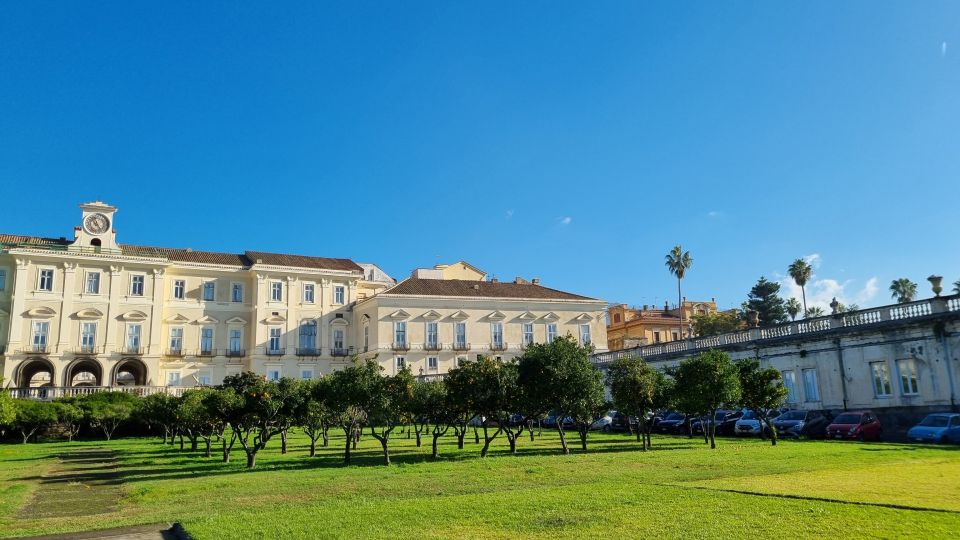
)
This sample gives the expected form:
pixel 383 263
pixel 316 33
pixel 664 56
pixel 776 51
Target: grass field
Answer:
pixel 744 489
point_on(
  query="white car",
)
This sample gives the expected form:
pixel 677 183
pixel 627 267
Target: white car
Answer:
pixel 605 422
pixel 749 423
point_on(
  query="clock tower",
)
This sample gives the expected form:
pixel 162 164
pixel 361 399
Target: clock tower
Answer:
pixel 95 232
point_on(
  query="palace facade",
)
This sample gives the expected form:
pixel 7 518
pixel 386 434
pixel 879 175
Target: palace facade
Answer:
pixel 91 312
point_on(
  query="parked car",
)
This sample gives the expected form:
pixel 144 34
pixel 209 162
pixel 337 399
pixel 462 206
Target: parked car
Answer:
pixel 811 424
pixel 673 423
pixel 719 417
pixel 862 425
pixel 936 428
pixel 611 421
pixel 749 423
pixel 728 426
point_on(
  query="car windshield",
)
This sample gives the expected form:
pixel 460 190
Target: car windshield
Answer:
pixel 847 419
pixel 721 415
pixel 935 421
pixel 749 415
pixel 793 415
pixel 674 416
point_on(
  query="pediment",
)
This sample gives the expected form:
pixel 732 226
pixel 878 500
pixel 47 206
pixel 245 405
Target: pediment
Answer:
pixel 398 315
pixel 496 316
pixel 583 317
pixel 527 316
pixel 236 320
pixel 551 317
pixel 431 315
pixel 134 316
pixel 89 313
pixel 460 316
pixel 206 319
pixel 275 319
pixel 41 312
pixel 339 322
pixel 177 318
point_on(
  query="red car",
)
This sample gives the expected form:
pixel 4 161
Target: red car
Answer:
pixel 861 425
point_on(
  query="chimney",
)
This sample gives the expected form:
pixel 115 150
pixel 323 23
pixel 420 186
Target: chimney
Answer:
pixel 714 300
pixel 492 280
pixel 536 281
pixel 684 298
pixel 645 307
pixel 666 305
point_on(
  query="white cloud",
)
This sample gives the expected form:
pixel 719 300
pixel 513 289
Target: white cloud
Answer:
pixel 509 214
pixel 821 291
pixel 813 260
pixel 566 220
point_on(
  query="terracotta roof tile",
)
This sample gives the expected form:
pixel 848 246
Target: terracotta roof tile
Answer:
pixel 303 261
pixel 14 239
pixel 186 255
pixel 479 289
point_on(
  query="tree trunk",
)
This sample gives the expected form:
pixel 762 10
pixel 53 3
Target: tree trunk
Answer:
pixel 251 459
pixel 680 305
pixel 386 453
pixel 207 452
pixel 803 291
pixel 641 427
pixel 164 436
pixel 713 431
pixel 348 433
pixel 313 446
pixel 436 437
pixel 563 437
pixel 283 441
pixel 193 443
pixel 326 436
pixel 461 434
pixel 476 435
pixel 689 429
pixel 181 441
pixel 419 441
pixel 773 432
pixel 583 437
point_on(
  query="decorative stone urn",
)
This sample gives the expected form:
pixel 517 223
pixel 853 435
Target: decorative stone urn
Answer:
pixel 753 317
pixel 935 282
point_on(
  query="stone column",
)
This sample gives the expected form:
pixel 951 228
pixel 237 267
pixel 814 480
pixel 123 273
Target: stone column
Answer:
pixel 292 324
pixel 155 339
pixel 17 305
pixel 66 307
pixel 113 306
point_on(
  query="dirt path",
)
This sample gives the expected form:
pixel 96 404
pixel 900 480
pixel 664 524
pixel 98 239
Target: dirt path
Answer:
pixel 82 483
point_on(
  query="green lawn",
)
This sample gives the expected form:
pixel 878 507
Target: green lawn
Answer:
pixel 745 488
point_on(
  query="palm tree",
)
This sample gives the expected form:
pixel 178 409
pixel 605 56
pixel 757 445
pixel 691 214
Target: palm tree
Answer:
pixel 903 290
pixel 956 287
pixel 801 271
pixel 813 311
pixel 678 262
pixel 793 308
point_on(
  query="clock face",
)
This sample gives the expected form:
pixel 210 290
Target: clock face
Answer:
pixel 96 223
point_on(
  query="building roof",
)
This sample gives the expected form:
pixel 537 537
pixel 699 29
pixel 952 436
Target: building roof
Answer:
pixel 479 289
pixel 245 259
pixel 303 261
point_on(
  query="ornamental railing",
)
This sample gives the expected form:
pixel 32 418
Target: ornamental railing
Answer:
pixel 54 392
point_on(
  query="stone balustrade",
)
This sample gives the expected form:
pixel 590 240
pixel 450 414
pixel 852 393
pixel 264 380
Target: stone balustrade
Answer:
pixel 852 319
pixel 53 392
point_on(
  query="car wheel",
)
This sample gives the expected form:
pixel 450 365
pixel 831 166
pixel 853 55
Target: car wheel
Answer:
pixel 606 429
pixel 861 438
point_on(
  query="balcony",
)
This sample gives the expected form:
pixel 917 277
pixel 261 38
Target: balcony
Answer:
pixel 308 351
pixel 461 346
pixel 339 351
pixel 498 346
pixel 275 352
pixel 207 353
pixel 400 346
pixel 235 353
pixel 35 349
pixel 130 350
pixel 432 346
pixel 87 350
pixel 174 353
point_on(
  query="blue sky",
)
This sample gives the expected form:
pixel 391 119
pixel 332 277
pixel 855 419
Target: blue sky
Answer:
pixel 573 141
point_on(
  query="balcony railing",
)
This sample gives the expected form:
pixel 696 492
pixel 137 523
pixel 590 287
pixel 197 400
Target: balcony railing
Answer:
pixel 275 352
pixel 339 351
pixel 174 353
pixel 400 346
pixel 432 346
pixel 498 347
pixel 132 351
pixel 235 353
pixel 308 351
pixel 207 353
pixel 460 346
pixel 89 350
pixel 35 349
pixel 53 392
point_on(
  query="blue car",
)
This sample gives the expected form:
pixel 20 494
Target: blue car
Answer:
pixel 937 428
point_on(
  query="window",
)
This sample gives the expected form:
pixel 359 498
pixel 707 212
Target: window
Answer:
pixel 400 332
pixel 432 363
pixel 432 334
pixel 616 317
pixel 206 340
pixel 811 390
pixel 366 337
pixel 585 334
pixel 338 294
pixel 881 379
pixel 93 283
pixel 274 343
pixel 45 282
pixel 676 336
pixel 236 292
pixel 308 335
pixel 908 376
pixel 656 337
pixel 460 334
pixel 338 339
pixel 88 336
pixel 308 289
pixel 136 285
pixel 133 337
pixel 209 291
pixel 790 383
pixel 496 334
pixel 528 333
pixel 173 378
pixel 306 374
pixel 551 332
pixel 273 374
pixel 176 339
pixel 41 329
pixel 236 340
pixel 276 291
pixel 203 378
pixel 3 279
pixel 179 289
pixel 401 363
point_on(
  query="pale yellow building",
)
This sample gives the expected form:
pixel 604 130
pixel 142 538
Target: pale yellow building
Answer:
pixel 91 312
pixel 633 327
